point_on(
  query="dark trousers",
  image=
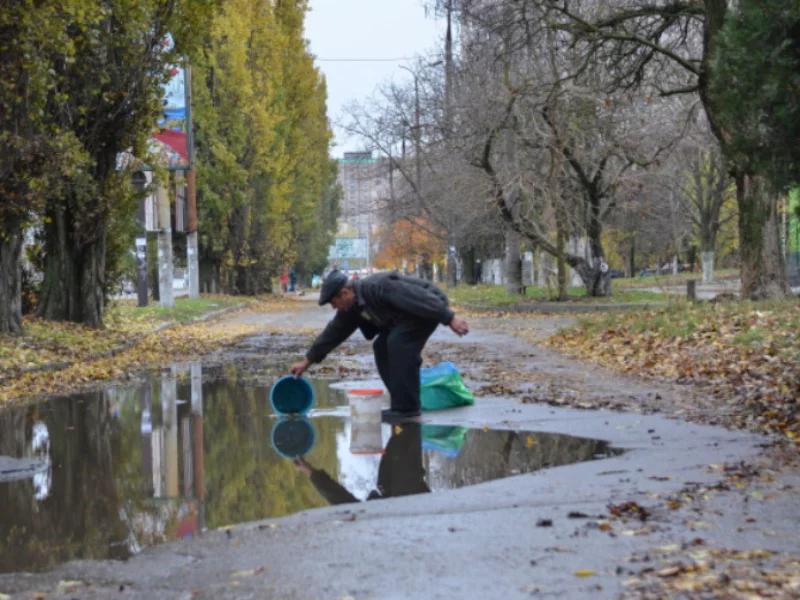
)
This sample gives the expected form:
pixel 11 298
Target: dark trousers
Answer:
pixel 398 356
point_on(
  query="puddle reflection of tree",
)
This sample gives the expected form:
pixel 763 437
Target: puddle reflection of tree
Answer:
pixel 79 517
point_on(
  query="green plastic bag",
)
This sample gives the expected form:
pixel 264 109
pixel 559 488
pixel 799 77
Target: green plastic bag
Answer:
pixel 444 439
pixel 441 387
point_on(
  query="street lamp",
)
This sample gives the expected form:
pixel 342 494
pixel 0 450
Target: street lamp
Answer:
pixel 451 260
pixel 417 128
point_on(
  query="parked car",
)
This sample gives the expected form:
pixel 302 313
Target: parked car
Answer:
pixel 647 273
pixel 615 274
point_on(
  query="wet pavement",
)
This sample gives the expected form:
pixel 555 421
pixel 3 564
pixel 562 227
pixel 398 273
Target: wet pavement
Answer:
pixel 102 475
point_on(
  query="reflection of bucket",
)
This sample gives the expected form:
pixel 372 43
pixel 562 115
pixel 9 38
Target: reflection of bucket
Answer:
pixel 291 396
pixel 365 404
pixel 293 437
pixel 365 436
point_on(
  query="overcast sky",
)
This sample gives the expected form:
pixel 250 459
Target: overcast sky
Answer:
pixel 365 29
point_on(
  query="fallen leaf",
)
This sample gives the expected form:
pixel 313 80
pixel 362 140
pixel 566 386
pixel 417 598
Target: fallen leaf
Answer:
pixel 249 573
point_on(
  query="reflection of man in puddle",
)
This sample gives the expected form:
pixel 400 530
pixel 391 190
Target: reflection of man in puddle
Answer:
pixel 400 472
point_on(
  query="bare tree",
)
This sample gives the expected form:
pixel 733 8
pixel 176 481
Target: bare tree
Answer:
pixel 575 143
pixel 639 41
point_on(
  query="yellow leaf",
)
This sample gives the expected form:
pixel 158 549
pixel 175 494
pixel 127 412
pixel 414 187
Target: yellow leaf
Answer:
pixel 585 573
pixel 530 442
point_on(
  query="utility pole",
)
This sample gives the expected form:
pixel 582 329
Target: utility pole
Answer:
pixel 140 183
pixel 164 256
pixel 452 275
pixel 192 259
pixel 417 137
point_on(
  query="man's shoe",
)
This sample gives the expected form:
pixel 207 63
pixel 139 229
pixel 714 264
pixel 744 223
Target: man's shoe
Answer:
pixel 390 415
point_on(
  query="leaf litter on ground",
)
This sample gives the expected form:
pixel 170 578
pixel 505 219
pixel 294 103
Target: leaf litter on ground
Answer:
pixel 745 355
pixel 130 342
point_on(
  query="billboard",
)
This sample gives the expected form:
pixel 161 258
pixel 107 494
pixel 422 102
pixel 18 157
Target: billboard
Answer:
pixel 348 248
pixel 168 146
pixel 171 142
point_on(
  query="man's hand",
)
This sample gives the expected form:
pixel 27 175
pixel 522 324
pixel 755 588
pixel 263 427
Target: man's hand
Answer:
pixel 459 326
pixel 297 369
pixel 302 466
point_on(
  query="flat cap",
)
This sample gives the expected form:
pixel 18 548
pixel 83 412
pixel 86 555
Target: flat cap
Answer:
pixel 331 286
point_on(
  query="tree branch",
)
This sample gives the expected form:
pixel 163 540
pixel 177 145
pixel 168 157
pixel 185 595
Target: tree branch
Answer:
pixel 589 30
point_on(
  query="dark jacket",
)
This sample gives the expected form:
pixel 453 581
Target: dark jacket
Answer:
pixel 383 301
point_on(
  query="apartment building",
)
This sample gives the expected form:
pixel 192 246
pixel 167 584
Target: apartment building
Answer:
pixel 365 184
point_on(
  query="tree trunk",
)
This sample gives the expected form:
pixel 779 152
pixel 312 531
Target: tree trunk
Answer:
pixel 632 258
pixel 452 269
pixel 561 239
pixel 596 278
pixel 708 266
pixel 513 264
pixel 763 270
pixel 468 262
pixel 74 277
pixel 10 279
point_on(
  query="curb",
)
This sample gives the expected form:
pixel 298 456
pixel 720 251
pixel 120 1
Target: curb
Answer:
pixel 549 308
pixel 58 366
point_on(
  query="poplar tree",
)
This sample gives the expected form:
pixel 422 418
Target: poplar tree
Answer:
pixel 265 182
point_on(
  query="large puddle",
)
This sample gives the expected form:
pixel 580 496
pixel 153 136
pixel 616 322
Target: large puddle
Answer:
pixel 108 473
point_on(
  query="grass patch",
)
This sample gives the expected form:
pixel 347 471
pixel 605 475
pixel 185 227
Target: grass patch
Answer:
pixel 669 280
pixel 125 313
pixel 495 295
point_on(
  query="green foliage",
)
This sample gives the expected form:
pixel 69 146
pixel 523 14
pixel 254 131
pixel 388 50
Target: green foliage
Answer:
pixel 29 34
pixel 710 194
pixel 82 82
pixel 756 87
pixel 794 221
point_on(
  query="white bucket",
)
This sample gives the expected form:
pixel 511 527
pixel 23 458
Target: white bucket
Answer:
pixel 366 404
pixel 366 436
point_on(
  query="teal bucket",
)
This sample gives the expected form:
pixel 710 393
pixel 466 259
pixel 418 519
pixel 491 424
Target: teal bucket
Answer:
pixel 292 437
pixel 291 396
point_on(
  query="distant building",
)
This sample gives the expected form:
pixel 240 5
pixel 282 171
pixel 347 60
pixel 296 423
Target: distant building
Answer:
pixel 365 183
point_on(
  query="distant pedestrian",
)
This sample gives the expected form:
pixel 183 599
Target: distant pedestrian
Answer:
pixel 285 281
pixel 292 279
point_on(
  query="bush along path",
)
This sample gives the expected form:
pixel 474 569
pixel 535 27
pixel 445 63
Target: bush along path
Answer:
pixel 56 358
